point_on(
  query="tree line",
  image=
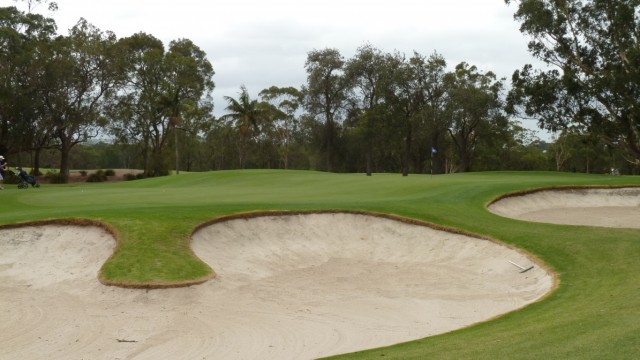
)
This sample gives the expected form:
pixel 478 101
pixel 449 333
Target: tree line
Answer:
pixel 373 112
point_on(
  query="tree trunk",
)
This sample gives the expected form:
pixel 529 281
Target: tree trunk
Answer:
pixel 369 159
pixel 158 164
pixel 329 143
pixel 145 156
pixel 242 149
pixel 465 159
pixel 407 150
pixel 35 169
pixel 65 149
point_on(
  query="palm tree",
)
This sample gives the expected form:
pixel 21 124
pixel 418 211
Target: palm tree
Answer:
pixel 244 113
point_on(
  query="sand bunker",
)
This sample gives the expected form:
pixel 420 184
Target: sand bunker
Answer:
pixel 288 287
pixel 617 207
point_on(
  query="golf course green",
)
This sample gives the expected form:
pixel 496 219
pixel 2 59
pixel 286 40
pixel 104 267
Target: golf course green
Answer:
pixel 593 314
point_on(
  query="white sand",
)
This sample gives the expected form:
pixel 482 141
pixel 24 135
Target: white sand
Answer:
pixel 618 208
pixel 290 287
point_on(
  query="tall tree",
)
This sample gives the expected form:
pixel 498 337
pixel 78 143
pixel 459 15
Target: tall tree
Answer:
pixel 286 102
pixel 162 93
pixel 367 72
pixel 436 96
pixel 245 114
pixel 406 98
pixel 137 109
pixel 326 94
pixel 474 101
pixel 593 44
pixel 23 42
pixel 79 75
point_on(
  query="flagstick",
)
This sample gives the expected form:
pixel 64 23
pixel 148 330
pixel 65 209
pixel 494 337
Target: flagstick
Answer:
pixel 433 150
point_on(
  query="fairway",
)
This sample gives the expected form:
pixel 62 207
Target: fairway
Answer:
pixel 593 313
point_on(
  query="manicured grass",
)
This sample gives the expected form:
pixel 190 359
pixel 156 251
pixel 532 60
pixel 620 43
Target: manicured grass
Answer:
pixel 595 313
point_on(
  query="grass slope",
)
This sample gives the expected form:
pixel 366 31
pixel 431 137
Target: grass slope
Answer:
pixel 595 313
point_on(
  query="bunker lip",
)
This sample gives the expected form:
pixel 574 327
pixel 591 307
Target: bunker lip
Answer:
pixel 615 206
pixel 341 282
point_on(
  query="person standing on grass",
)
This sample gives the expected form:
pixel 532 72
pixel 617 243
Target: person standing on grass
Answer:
pixel 3 167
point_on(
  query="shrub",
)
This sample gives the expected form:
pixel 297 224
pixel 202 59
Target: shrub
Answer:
pixel 129 177
pixel 98 176
pixel 109 172
pixel 83 173
pixel 55 178
pixel 11 178
pixel 140 176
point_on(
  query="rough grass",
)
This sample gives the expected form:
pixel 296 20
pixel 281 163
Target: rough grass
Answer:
pixel 594 314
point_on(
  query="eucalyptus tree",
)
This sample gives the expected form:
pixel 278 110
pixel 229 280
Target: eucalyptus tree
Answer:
pixel 286 102
pixel 592 47
pixel 186 92
pixel 136 109
pixel 32 4
pixel 473 103
pixel 406 98
pixel 326 95
pixel 78 77
pixel 366 73
pixel 245 114
pixel 24 38
pixel 162 92
pixel 435 96
pixel 506 145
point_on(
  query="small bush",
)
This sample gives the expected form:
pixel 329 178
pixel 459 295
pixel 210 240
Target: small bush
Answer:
pixel 140 176
pixel 55 178
pixel 98 176
pixel 110 172
pixel 129 177
pixel 11 178
pixel 83 173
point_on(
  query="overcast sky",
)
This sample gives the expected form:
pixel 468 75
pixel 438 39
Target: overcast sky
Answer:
pixel 260 43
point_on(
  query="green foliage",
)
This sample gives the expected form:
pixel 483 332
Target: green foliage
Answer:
pixel 245 114
pixel 24 38
pixel 166 91
pixel 11 178
pixel 326 96
pixel 55 178
pixel 473 107
pixel 98 176
pixel 129 177
pixel 591 47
